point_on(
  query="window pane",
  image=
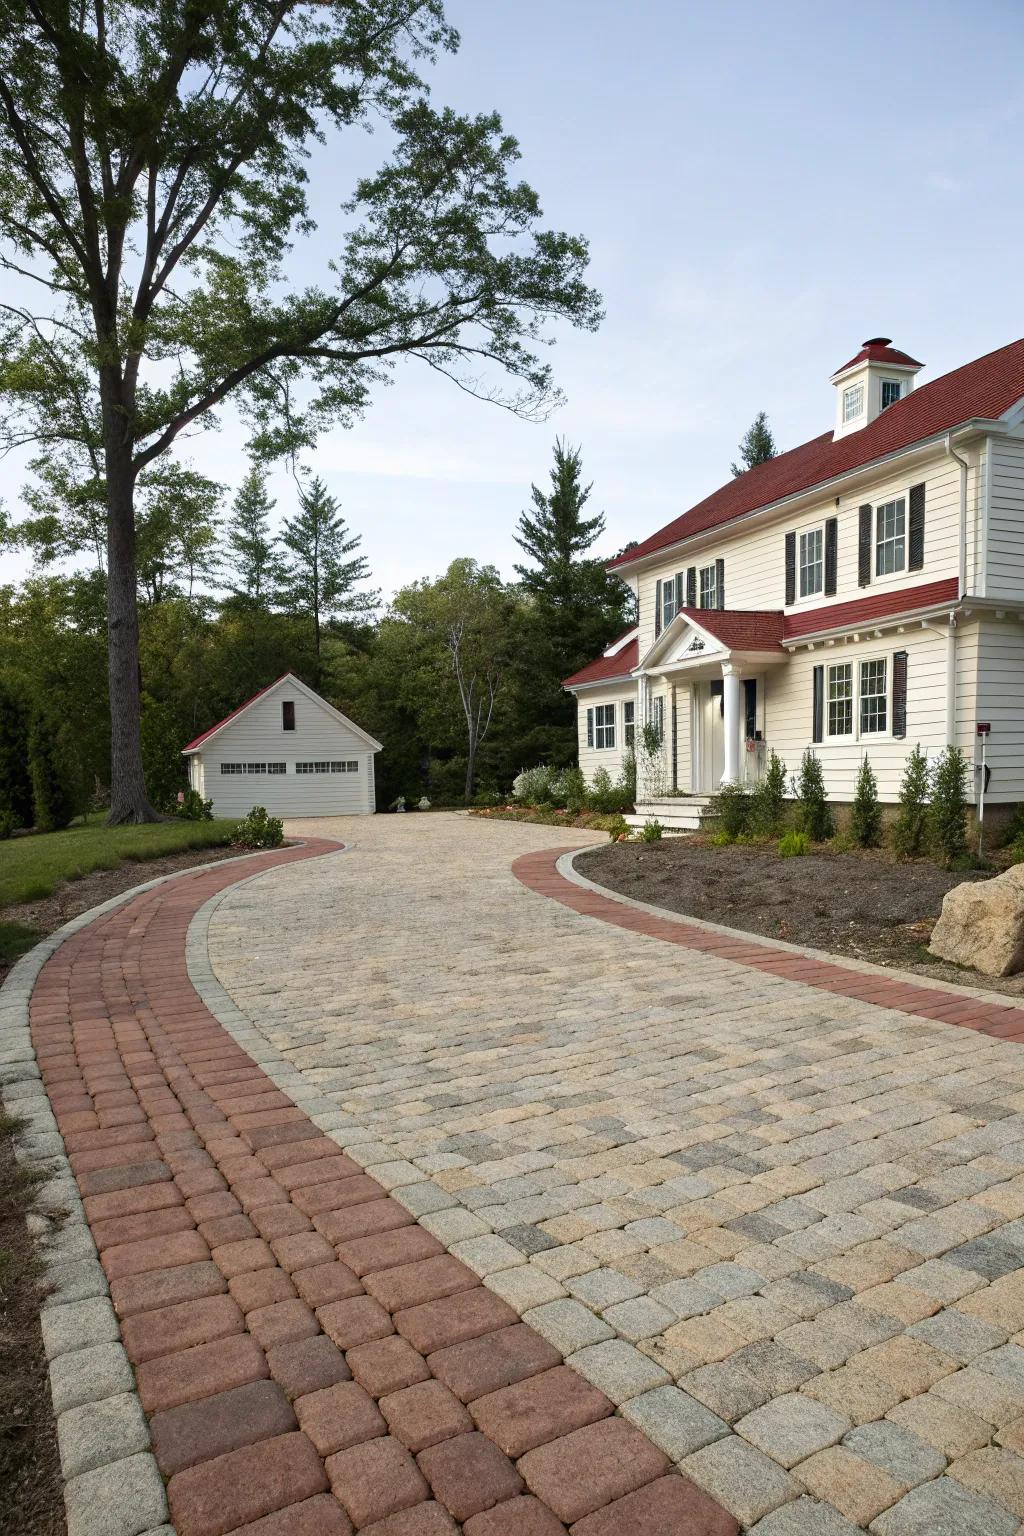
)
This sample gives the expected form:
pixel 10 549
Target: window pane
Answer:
pixel 709 586
pixel 288 715
pixel 811 562
pixel 853 401
pixel 891 390
pixel 840 700
pixel 890 537
pixel 873 697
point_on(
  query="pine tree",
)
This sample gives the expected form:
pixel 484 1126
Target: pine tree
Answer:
pixel 578 606
pixel 947 819
pixel 317 580
pixel 912 821
pixel 57 791
pixel 815 816
pixel 758 446
pixel 249 550
pixel 866 816
pixel 15 780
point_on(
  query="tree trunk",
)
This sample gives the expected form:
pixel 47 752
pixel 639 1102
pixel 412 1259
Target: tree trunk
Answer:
pixel 128 799
pixel 470 766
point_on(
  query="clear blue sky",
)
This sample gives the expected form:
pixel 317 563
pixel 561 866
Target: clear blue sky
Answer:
pixel 763 186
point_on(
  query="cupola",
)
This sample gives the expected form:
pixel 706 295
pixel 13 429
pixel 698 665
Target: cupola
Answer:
pixel 870 383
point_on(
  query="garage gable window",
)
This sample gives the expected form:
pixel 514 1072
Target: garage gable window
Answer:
pixel 288 715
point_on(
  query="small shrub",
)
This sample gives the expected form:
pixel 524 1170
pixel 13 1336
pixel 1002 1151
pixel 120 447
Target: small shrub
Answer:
pixel 911 826
pixel 866 816
pixel 651 831
pixel 842 842
pixel 793 845
pixel 571 790
pixel 398 804
pixel 628 779
pixel 616 827
pixel 722 839
pixel 607 797
pixel 534 786
pixel 947 816
pixel 259 830
pixel 190 806
pixel 732 805
pixel 768 800
pixel 814 815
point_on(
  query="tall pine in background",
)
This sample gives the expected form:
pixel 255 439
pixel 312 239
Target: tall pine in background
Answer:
pixel 758 445
pixel 578 607
pixel 249 550
pixel 318 579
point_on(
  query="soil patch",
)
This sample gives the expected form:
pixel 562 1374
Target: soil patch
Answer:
pixel 74 897
pixel 859 904
pixel 31 1486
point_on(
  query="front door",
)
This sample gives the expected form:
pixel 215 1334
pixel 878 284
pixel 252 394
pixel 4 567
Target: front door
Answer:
pixel 712 737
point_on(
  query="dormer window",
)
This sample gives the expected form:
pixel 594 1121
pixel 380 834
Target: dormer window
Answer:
pixel 853 402
pixel 892 390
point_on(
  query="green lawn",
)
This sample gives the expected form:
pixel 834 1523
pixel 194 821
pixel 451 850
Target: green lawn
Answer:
pixel 31 867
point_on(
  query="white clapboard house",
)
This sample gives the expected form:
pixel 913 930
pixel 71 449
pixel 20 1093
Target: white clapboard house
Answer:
pixel 859 594
pixel 287 749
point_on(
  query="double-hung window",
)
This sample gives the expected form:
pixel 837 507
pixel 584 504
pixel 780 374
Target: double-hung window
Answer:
pixel 874 697
pixel 812 561
pixel 629 723
pixel 668 602
pixel 709 586
pixel 891 537
pixel 604 726
pixel 658 716
pixel 840 699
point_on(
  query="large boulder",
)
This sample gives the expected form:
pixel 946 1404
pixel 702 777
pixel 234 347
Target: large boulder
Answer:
pixel 982 924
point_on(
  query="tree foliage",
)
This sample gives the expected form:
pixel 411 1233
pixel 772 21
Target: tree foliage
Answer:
pixel 947 816
pixel 911 826
pixel 318 579
pixel 54 764
pixel 866 813
pixel 153 181
pixel 15 780
pixel 758 445
pixel 814 813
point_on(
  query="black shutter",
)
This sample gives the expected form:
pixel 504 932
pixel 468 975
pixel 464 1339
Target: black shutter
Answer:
pixel 864 546
pixel 720 582
pixel 899 695
pixel 691 587
pixel 590 727
pixel 916 540
pixel 750 707
pixel 657 608
pixel 831 554
pixel 818 705
pixel 790 569
pixel 679 590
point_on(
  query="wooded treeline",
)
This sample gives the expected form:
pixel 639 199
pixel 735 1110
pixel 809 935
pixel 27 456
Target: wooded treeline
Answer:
pixel 459 675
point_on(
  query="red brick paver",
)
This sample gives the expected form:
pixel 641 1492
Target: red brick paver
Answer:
pixel 539 872
pixel 311 1360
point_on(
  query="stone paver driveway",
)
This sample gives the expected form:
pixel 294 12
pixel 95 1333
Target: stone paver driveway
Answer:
pixel 780 1228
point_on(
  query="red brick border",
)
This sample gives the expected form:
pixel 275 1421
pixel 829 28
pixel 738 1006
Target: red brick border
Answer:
pixel 311 1361
pixel 539 872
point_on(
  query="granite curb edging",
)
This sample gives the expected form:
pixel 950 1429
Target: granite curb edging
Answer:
pixel 112 1485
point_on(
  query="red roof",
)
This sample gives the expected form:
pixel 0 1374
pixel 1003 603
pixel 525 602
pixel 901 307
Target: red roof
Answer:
pixel 605 668
pixel 201 738
pixel 879 605
pixel 985 388
pixel 740 629
pixel 878 350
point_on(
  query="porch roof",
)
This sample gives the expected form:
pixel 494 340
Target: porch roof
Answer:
pixel 698 636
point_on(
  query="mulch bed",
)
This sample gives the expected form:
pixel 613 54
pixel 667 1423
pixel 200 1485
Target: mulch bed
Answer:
pixel 860 904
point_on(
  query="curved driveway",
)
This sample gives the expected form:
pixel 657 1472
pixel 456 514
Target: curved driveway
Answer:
pixel 782 1228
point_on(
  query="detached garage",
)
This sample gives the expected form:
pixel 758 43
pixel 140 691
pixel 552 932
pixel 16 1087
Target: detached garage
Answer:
pixel 286 749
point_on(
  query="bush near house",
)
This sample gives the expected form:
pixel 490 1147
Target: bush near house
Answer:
pixel 947 815
pixel 260 830
pixel 768 800
pixel 866 814
pixel 911 826
pixel 813 813
pixel 566 789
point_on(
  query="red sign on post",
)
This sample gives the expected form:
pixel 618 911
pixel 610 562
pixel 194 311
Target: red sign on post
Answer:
pixel 983 727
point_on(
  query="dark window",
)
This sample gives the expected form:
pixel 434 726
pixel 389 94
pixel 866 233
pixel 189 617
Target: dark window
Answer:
pixel 288 715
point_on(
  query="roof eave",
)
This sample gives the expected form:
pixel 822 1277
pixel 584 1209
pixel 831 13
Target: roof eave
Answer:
pixel 972 427
pixel 885 621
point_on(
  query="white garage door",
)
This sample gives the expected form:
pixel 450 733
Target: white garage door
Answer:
pixel 296 787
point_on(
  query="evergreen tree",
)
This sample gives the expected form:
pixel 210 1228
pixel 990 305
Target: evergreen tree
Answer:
pixel 912 820
pixel 317 579
pixel 249 552
pixel 56 771
pixel 15 780
pixel 758 446
pixel 948 814
pixel 814 813
pixel 866 816
pixel 578 606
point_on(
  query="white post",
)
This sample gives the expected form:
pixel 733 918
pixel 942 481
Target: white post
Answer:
pixel 731 724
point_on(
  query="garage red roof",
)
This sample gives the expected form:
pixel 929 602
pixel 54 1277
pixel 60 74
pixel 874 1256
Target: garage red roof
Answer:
pixel 606 667
pixel 985 388
pixel 258 695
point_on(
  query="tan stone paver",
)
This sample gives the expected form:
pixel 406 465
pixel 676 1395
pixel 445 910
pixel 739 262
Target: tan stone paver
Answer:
pixel 799 1194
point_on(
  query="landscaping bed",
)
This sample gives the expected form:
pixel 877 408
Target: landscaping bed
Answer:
pixel 542 816
pixel 864 904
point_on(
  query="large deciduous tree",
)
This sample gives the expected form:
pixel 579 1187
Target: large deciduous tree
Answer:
pixel 153 178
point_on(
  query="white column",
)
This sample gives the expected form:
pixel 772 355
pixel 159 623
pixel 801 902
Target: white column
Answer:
pixel 731 723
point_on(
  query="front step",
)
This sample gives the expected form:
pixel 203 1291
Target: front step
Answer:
pixel 676 813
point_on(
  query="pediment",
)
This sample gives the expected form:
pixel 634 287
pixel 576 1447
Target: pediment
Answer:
pixel 683 641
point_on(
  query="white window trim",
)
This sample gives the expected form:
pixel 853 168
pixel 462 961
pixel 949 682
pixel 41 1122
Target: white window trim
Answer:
pixel 810 598
pixel 658 715
pixel 668 596
pixel 629 725
pixel 603 727
pixel 853 389
pixel 856 663
pixel 704 570
pixel 881 389
pixel 904 571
